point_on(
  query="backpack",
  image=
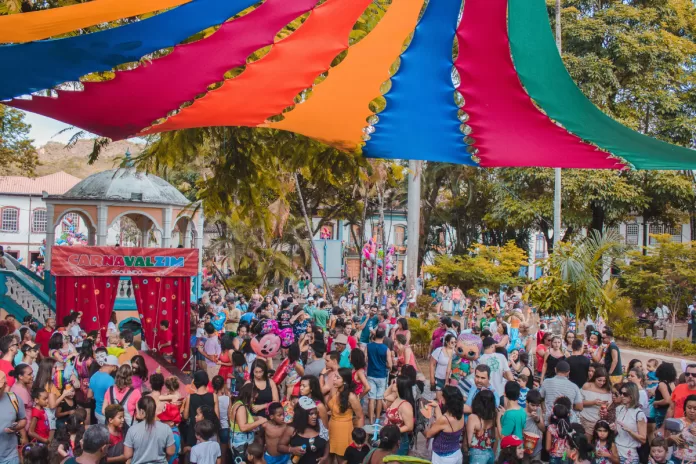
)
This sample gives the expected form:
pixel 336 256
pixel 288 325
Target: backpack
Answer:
pixel 124 402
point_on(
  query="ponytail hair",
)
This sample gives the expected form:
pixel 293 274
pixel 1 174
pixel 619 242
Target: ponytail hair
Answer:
pixel 147 405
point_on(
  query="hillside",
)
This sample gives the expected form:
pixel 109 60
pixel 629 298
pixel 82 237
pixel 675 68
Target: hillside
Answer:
pixel 54 157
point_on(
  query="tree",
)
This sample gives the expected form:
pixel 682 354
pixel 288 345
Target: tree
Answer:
pixel 16 149
pixel 574 280
pixel 483 266
pixel 665 273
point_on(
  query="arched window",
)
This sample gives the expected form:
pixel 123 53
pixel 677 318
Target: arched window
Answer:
pixel 39 220
pixel 10 220
pixel 72 218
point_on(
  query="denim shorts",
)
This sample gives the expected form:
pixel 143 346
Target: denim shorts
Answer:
pixel 377 388
pixel 439 384
pixel 479 456
pixel 225 435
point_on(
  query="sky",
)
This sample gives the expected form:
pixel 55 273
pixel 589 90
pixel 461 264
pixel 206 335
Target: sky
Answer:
pixel 44 130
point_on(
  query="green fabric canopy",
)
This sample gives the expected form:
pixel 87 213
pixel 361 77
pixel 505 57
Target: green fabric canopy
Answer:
pixel 548 83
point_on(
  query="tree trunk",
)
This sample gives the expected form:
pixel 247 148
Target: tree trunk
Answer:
pixel 329 296
pixel 674 323
pixel 384 245
pixel 598 217
pixel 645 235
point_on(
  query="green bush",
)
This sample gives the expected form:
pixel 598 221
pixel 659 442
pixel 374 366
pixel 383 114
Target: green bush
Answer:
pixel 421 334
pixel 681 346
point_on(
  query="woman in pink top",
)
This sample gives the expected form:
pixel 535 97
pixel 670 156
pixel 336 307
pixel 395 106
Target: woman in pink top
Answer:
pixel 123 393
pixel 22 387
pixel 404 353
pixel 402 329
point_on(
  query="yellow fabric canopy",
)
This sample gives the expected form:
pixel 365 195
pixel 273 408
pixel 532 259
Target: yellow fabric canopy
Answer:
pixel 337 110
pixel 37 25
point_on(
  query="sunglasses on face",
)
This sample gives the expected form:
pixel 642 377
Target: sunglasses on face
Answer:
pixel 690 374
pixel 625 394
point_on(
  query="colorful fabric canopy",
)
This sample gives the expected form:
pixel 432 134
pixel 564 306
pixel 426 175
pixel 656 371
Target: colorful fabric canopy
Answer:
pixel 106 108
pixel 35 66
pixel 420 120
pixel 547 81
pixel 344 94
pixel 37 25
pixel 508 129
pixel 502 79
pixel 270 84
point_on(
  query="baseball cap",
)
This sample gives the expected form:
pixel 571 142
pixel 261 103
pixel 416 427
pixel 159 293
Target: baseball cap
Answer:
pixel 562 366
pixel 311 298
pixel 341 338
pixel 511 441
pixel 111 360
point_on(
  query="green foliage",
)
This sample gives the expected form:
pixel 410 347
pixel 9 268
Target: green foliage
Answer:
pixel 665 273
pixel 483 266
pixel 421 334
pixel 16 150
pixel 682 346
pixel 619 310
pixel 573 281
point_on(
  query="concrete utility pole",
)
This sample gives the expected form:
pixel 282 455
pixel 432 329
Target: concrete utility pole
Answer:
pixel 557 177
pixel 413 222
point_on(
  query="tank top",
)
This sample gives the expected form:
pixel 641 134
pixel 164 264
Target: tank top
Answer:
pixel 446 443
pixel 551 363
pixel 224 404
pixel 264 396
pixel 483 440
pixel 601 460
pixel 358 384
pixel 377 360
pixel 393 416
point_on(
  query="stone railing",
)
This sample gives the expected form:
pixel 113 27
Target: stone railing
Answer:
pixel 27 300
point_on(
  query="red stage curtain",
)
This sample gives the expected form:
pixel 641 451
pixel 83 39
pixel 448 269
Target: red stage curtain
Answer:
pixel 94 296
pixel 165 298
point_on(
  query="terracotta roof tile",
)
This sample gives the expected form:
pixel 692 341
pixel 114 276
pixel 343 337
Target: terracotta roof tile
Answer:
pixel 55 184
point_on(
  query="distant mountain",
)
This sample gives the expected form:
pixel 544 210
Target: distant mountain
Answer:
pixel 54 157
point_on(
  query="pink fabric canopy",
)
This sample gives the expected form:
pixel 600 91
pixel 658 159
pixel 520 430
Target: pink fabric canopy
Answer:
pixel 508 129
pixel 134 99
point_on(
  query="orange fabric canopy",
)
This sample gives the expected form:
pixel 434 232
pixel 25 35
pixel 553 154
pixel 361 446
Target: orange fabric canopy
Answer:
pixel 269 85
pixel 37 25
pixel 337 110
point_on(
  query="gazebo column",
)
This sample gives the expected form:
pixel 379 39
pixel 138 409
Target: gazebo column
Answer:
pixel 102 227
pixel 50 234
pixel 189 232
pixel 145 237
pixel 167 227
pixel 91 236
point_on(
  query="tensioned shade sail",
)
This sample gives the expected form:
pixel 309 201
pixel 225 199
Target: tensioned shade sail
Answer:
pixel 337 111
pixel 420 119
pixel 37 25
pixel 107 108
pixel 30 67
pixel 547 81
pixel 270 84
pixel 508 129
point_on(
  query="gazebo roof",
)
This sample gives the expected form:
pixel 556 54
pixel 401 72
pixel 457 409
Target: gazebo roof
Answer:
pixel 125 185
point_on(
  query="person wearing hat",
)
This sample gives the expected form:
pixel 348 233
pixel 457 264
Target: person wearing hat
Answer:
pixel 486 320
pixel 511 450
pixel 341 345
pixel 306 441
pixel 560 385
pixel 99 383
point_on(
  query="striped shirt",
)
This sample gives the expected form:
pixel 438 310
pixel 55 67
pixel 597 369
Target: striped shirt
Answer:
pixel 555 387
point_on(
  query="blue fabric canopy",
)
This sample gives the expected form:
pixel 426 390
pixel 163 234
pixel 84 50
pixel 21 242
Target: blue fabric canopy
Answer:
pixel 30 67
pixel 420 120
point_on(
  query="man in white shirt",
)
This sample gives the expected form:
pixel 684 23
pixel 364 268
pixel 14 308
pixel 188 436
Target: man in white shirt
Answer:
pixel 662 314
pixel 498 365
pixel 690 317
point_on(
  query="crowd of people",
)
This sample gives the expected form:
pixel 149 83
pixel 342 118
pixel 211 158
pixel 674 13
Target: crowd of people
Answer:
pixel 347 389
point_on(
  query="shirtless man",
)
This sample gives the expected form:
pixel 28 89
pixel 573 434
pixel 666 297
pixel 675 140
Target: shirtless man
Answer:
pixel 273 432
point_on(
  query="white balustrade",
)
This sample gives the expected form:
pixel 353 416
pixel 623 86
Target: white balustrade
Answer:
pixel 27 300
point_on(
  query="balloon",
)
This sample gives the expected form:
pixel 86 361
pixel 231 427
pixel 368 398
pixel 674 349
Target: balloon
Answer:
pixel 282 371
pixel 372 256
pixel 368 263
pixel 219 320
pixel 379 262
pixel 380 253
pixel 266 346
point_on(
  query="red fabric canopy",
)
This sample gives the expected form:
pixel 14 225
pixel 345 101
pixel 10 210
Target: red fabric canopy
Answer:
pixel 508 129
pixel 134 99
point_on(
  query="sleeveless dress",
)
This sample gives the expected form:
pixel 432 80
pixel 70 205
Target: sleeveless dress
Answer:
pixel 394 418
pixel 225 371
pixel 340 427
pixel 195 402
pixel 602 460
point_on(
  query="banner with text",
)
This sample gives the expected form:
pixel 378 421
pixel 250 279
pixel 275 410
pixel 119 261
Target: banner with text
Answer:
pixel 123 261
